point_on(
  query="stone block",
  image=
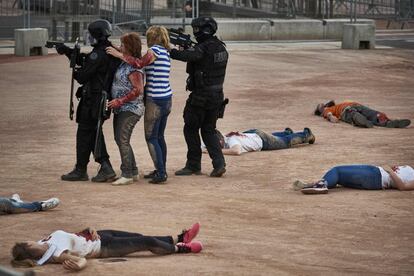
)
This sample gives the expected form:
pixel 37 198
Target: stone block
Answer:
pixel 358 36
pixel 30 42
pixel 334 28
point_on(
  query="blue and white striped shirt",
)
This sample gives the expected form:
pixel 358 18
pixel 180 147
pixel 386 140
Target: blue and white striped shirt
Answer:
pixel 157 75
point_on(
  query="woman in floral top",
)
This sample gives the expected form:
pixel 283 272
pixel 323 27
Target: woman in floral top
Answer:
pixel 127 106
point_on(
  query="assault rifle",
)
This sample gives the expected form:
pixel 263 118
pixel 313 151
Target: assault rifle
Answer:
pixel 177 37
pixel 73 58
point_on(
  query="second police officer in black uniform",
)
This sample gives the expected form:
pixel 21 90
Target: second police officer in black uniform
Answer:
pixel 206 67
pixel 94 75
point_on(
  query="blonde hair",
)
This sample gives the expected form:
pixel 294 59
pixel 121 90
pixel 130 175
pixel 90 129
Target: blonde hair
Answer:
pixel 158 35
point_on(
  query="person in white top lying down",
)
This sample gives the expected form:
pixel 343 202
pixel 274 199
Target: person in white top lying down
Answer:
pixel 72 249
pixel 236 143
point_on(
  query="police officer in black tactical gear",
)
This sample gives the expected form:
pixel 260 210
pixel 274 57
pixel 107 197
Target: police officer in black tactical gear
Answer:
pixel 206 68
pixel 95 74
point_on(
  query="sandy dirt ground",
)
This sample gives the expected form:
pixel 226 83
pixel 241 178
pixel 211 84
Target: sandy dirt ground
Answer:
pixel 253 223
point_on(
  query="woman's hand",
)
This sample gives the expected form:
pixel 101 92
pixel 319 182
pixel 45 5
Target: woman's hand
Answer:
pixel 388 168
pixel 74 265
pixel 332 118
pixel 94 235
pixel 114 52
pixel 114 103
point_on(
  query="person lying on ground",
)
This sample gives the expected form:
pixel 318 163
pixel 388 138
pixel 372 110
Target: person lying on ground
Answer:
pixel 357 114
pixel 236 143
pixel 14 205
pixel 361 177
pixel 72 249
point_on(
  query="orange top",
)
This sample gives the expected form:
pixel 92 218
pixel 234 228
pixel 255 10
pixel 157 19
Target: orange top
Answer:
pixel 337 109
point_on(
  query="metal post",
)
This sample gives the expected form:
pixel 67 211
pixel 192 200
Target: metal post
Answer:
pixel 197 8
pixel 28 16
pixel 97 7
pixel 331 8
pixel 113 13
pixel 192 9
pixel 234 8
pixel 24 14
pixel 355 11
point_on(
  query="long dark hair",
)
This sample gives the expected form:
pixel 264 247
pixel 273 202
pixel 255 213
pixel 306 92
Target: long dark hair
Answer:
pixel 23 256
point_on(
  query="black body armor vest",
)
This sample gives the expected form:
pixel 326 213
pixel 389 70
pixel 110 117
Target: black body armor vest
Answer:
pixel 207 75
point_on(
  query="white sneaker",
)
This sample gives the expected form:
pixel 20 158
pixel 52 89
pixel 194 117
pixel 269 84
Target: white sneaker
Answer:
pixel 320 187
pixel 299 185
pixel 16 197
pixel 122 181
pixel 135 177
pixel 50 203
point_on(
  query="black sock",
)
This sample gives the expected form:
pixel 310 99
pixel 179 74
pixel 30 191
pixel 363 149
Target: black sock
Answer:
pixel 180 237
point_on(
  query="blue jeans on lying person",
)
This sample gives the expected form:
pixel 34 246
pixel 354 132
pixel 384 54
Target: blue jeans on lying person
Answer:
pixel 12 206
pixel 279 140
pixel 354 176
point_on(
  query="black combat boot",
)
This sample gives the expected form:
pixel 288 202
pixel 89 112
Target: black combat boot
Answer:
pixel 105 173
pixel 77 174
pixel 218 172
pixel 187 171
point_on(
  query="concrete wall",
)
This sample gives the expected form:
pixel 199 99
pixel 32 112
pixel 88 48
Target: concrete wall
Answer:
pixel 283 29
pixel 244 29
pixel 296 29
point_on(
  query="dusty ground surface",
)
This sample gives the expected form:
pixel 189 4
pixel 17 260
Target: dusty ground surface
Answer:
pixel 253 223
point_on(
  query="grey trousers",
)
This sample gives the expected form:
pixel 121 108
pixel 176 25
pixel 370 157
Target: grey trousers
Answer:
pixel 124 123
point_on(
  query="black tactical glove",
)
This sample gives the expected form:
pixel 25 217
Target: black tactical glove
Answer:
pixel 62 49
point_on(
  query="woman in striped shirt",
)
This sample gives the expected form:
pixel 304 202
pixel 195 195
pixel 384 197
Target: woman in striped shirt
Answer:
pixel 158 96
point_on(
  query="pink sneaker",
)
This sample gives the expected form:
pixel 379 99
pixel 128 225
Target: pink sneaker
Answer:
pixel 192 247
pixel 190 234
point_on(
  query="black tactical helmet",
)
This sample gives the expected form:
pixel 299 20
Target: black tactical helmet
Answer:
pixel 204 26
pixel 100 29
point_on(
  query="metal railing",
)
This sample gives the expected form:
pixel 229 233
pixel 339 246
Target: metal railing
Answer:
pixel 68 18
